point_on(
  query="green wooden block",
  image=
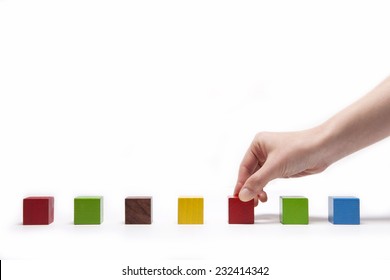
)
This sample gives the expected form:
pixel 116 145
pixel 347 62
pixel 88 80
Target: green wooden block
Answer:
pixel 88 210
pixel 294 210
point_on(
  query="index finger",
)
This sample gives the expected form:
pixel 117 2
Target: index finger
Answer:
pixel 248 166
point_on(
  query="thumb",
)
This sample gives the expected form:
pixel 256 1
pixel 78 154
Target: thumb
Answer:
pixel 255 184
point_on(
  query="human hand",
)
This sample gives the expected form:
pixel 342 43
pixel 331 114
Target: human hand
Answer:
pixel 293 154
pixel 274 155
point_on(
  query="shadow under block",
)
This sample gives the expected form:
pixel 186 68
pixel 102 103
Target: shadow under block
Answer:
pixel 190 210
pixel 294 210
pixel 38 210
pixel 88 210
pixel 241 212
pixel 344 210
pixel 138 210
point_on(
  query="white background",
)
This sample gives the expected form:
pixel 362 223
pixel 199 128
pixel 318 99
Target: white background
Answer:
pixel 162 98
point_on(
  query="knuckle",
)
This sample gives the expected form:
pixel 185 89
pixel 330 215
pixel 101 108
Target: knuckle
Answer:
pixel 259 136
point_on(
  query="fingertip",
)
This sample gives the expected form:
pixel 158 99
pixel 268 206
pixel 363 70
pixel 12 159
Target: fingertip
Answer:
pixel 263 196
pixel 237 189
pixel 255 201
pixel 246 195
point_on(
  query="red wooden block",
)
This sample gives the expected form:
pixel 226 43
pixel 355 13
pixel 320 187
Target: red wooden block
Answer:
pixel 241 212
pixel 38 210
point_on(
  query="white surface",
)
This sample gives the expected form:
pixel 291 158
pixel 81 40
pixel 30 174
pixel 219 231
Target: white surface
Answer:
pixel 162 98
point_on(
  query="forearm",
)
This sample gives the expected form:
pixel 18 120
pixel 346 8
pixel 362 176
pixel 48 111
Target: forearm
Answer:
pixel 361 124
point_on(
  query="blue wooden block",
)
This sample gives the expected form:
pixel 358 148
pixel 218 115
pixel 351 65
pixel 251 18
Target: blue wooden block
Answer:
pixel 344 210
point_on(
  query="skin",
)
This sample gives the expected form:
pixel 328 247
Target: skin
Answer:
pixel 274 155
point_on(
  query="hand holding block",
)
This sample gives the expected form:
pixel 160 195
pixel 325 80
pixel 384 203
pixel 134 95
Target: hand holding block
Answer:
pixel 294 210
pixel 38 210
pixel 138 210
pixel 241 212
pixel 190 210
pixel 88 210
pixel 344 210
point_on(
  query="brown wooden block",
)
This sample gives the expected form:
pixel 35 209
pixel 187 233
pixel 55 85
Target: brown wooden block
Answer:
pixel 138 210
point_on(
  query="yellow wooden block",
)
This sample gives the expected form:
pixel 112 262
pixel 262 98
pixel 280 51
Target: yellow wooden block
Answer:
pixel 190 210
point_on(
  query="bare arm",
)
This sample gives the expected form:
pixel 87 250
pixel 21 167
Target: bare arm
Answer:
pixel 361 124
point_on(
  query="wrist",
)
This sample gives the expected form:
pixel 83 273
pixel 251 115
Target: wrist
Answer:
pixel 329 143
pixel 323 149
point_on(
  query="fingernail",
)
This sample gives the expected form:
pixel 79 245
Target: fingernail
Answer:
pixel 245 194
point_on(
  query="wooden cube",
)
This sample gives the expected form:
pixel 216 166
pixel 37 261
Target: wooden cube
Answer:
pixel 344 210
pixel 241 212
pixel 38 210
pixel 294 210
pixel 88 210
pixel 190 210
pixel 138 210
